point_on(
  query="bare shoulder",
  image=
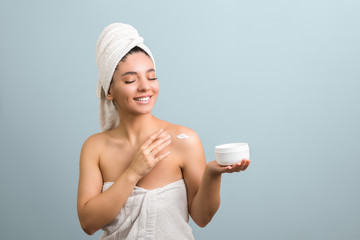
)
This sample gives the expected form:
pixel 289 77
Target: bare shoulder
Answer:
pixel 190 150
pixel 94 138
pixel 183 138
pixel 93 145
pixel 181 134
pixel 186 136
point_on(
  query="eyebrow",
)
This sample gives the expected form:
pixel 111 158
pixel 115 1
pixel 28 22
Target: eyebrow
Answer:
pixel 135 73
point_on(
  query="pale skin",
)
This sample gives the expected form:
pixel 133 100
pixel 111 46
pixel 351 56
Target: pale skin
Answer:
pixel 144 151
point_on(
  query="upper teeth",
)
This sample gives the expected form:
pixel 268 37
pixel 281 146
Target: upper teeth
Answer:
pixel 143 99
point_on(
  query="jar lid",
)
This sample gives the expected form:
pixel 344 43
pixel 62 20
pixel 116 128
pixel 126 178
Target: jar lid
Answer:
pixel 231 147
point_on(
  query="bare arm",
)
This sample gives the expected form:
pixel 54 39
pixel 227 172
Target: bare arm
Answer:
pixel 207 200
pixel 96 209
pixel 203 181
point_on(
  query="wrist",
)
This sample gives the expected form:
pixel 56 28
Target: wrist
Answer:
pixel 131 176
pixel 211 170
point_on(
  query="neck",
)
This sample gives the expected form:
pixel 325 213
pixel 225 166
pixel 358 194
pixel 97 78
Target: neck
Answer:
pixel 137 128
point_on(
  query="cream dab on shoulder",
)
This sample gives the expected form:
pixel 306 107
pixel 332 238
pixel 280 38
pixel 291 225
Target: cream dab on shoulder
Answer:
pixel 182 136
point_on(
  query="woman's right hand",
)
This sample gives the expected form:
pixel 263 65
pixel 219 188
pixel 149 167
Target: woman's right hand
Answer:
pixel 147 156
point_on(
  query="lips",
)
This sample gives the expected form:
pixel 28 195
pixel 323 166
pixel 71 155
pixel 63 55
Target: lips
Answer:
pixel 143 99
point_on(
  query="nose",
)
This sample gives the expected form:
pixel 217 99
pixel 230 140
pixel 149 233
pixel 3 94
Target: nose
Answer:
pixel 144 84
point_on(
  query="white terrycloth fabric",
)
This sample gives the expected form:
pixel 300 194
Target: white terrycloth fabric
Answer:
pixel 158 214
pixel 115 41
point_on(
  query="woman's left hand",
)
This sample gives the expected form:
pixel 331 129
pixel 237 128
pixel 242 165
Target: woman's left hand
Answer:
pixel 216 169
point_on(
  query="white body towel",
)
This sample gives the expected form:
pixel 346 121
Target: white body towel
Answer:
pixel 158 214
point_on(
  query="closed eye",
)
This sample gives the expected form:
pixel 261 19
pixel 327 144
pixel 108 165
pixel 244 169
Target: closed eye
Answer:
pixel 127 82
pixel 151 79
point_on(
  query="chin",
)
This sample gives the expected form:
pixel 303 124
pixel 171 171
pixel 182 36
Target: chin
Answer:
pixel 142 111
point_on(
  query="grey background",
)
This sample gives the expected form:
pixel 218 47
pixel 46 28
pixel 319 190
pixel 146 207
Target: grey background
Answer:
pixel 281 75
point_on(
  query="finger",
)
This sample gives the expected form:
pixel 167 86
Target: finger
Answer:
pixel 161 157
pixel 227 169
pixel 237 167
pixel 151 139
pixel 162 134
pixel 222 168
pixel 247 164
pixel 160 147
pixel 158 142
pixel 243 164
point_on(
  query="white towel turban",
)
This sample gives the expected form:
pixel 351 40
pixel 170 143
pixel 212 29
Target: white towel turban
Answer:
pixel 115 41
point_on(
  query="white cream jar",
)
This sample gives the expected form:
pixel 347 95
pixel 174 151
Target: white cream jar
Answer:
pixel 231 153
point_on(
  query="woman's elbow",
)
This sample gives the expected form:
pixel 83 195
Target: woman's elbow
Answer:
pixel 87 225
pixel 202 225
pixel 202 219
pixel 202 222
pixel 88 230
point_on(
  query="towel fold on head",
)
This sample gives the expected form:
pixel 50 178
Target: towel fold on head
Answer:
pixel 115 41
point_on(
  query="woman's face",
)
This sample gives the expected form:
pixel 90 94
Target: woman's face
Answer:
pixel 135 87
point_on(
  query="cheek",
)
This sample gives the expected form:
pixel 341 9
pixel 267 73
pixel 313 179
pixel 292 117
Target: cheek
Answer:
pixel 127 93
pixel 155 87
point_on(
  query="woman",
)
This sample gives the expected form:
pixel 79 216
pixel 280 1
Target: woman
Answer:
pixel 141 177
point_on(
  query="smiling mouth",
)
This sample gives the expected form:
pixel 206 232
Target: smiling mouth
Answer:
pixel 143 99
